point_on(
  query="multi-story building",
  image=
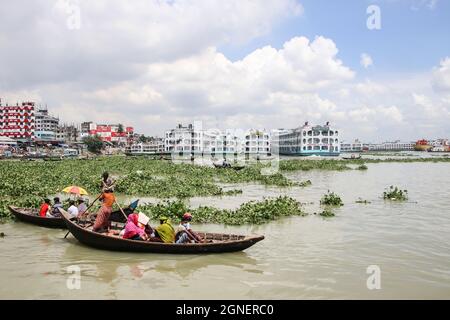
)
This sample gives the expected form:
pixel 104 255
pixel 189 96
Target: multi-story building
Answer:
pixel 309 140
pixel 188 140
pixel 355 146
pixel 392 146
pixel 18 122
pixel 182 139
pixel 108 132
pixel 68 133
pixel 257 142
pixel 46 125
pixel 155 146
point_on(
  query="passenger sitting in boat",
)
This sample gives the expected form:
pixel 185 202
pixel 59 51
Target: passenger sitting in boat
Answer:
pixel 56 205
pixel 81 206
pixel 73 210
pixel 102 221
pixel 184 232
pixel 134 230
pixel 165 231
pixel 44 211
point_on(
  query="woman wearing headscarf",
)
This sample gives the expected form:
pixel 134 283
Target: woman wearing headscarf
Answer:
pixel 133 230
pixel 165 231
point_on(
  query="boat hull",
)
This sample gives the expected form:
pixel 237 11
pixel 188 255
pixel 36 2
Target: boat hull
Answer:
pixel 28 216
pixel 105 242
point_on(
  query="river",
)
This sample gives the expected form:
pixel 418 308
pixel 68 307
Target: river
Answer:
pixel 302 257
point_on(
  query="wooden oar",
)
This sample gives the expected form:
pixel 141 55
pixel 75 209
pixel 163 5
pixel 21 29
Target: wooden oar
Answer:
pixel 121 210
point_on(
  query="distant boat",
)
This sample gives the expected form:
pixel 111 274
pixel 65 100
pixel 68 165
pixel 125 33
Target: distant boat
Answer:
pixel 422 145
pixel 352 156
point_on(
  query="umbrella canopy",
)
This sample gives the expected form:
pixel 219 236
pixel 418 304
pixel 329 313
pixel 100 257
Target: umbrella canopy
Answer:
pixel 75 190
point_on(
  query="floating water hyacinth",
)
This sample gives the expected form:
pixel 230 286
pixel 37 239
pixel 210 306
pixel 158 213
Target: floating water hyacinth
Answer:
pixel 331 199
pixel 395 194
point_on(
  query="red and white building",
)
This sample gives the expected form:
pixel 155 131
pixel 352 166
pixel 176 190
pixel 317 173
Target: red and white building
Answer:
pixel 108 132
pixel 18 122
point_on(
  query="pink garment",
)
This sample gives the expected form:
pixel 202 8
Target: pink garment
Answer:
pixel 131 228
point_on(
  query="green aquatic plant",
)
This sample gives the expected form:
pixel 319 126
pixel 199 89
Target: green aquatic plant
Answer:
pixel 305 183
pixel 331 199
pixel 253 212
pixel 327 213
pixel 395 194
pixel 362 167
pixel 26 183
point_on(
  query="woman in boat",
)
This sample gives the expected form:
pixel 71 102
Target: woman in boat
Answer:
pixel 135 230
pixel 102 221
pixel 184 233
pixel 45 208
pixel 81 206
pixel 165 231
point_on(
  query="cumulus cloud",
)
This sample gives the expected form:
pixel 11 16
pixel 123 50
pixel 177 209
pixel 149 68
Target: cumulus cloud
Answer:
pixel 152 64
pixel 441 76
pixel 366 60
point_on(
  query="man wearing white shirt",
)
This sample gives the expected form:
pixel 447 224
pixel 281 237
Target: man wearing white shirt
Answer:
pixel 73 210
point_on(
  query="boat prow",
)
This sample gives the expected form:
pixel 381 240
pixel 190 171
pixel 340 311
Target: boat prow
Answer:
pixel 216 243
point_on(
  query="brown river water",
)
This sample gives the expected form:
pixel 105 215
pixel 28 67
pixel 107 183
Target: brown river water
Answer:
pixel 301 258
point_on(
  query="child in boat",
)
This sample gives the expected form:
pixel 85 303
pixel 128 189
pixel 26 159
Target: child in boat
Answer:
pixel 184 233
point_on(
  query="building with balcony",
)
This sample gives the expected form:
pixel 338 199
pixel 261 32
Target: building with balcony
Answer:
pixel 154 147
pixel 257 142
pixel 309 140
pixel 355 146
pixel 189 140
pixel 18 122
pixel 392 146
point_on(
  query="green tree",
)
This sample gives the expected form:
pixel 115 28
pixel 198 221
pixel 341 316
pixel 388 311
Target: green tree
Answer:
pixel 94 143
pixel 120 128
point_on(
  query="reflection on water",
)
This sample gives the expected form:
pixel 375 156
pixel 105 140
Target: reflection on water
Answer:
pixel 301 257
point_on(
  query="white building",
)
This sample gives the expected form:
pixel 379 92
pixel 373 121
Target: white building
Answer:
pixel 355 146
pixel 189 140
pixel 309 140
pixel 149 148
pixel 46 125
pixel 257 142
pixel 392 146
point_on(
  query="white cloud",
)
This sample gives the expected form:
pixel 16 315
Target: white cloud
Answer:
pixel 153 64
pixel 441 76
pixel 366 60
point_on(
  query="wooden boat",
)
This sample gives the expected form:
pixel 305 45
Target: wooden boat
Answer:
pixel 219 166
pixel 215 242
pixel 352 156
pixel 32 216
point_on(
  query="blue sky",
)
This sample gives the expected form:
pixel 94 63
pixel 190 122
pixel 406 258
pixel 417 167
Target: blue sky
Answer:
pixel 413 37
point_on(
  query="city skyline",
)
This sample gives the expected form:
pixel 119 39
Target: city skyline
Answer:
pixel 234 65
